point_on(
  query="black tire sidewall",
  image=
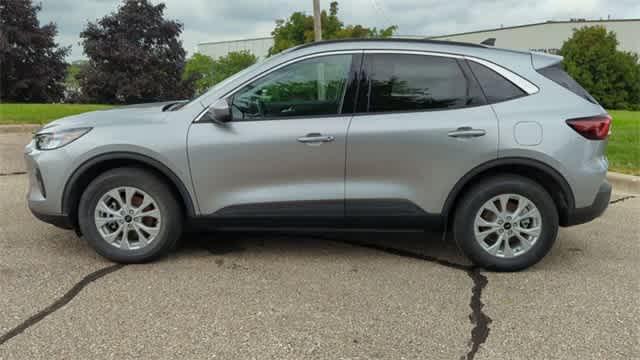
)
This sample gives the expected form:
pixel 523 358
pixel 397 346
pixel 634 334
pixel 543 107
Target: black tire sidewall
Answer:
pixel 484 191
pixel 170 227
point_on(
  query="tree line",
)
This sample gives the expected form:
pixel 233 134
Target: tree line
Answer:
pixel 135 55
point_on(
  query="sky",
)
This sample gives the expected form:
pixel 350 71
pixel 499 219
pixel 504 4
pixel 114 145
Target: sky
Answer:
pixel 217 20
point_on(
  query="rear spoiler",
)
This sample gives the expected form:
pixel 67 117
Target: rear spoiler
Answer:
pixel 489 42
pixel 541 60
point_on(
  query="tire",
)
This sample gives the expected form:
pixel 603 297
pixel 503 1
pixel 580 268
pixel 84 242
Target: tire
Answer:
pixel 528 240
pixel 153 232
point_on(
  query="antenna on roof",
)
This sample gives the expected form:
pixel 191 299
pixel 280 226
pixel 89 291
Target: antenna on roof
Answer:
pixel 489 41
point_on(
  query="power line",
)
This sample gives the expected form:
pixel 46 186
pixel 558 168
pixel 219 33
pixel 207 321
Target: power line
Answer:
pixel 382 12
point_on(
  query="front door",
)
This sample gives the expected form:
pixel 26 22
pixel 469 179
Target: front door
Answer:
pixel 283 153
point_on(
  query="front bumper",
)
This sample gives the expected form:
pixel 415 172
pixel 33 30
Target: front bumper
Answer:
pixel 46 179
pixel 586 214
pixel 58 220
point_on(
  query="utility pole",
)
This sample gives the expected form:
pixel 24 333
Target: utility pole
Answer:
pixel 317 26
pixel 317 36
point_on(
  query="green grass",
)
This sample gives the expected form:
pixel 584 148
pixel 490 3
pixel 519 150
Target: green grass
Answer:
pixel 623 150
pixel 42 113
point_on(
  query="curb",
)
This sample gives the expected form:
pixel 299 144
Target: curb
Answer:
pixel 624 183
pixel 21 128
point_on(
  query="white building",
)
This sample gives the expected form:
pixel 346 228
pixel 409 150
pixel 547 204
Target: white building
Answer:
pixel 257 46
pixel 547 36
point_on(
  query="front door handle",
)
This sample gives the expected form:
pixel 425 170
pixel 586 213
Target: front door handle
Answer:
pixel 316 139
pixel 466 132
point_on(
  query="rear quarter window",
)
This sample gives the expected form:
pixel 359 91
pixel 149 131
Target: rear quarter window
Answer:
pixel 557 74
pixel 495 87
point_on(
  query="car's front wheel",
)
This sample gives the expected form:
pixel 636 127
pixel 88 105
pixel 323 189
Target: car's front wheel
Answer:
pixel 506 223
pixel 129 215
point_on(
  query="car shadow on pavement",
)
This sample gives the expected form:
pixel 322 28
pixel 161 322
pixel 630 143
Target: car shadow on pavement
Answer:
pixel 421 244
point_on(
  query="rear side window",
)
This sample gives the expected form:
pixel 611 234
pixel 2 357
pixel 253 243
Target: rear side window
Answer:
pixel 496 88
pixel 556 74
pixel 398 82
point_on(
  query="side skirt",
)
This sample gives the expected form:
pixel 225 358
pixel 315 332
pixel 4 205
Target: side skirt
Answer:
pixel 322 214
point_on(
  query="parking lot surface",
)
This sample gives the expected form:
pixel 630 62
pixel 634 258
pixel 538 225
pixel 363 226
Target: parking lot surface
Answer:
pixel 300 295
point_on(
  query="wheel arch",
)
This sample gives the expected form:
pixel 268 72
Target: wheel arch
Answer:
pixel 90 169
pixel 548 177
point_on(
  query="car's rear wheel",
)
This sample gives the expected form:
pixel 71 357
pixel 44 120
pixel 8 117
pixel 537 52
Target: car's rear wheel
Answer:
pixel 129 215
pixel 506 223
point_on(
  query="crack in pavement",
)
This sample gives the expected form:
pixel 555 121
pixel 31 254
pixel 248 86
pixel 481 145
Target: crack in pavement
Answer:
pixel 480 331
pixel 621 199
pixel 481 321
pixel 13 173
pixel 478 318
pixel 62 301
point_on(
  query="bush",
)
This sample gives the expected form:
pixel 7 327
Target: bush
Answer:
pixel 612 76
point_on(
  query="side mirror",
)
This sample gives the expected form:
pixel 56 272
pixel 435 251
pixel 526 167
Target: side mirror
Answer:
pixel 219 112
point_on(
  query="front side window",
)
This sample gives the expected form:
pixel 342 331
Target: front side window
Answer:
pixel 402 82
pixel 309 87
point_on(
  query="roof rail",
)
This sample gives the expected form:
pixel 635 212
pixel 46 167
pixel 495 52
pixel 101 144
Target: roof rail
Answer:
pixel 420 41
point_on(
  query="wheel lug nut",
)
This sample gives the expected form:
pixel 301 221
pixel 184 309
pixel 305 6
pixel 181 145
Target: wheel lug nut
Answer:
pixel 500 222
pixel 130 211
pixel 508 218
pixel 500 231
pixel 120 221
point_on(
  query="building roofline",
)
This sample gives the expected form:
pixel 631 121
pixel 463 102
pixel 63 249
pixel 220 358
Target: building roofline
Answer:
pixel 436 37
pixel 533 24
pixel 238 40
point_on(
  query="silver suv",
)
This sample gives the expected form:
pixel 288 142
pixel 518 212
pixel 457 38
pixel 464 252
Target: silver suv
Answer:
pixel 499 146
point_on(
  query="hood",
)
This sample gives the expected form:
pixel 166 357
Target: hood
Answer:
pixel 118 116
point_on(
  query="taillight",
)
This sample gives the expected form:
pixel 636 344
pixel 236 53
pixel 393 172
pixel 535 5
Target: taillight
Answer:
pixel 592 128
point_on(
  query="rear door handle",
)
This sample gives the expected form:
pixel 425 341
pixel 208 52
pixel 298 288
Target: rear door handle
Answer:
pixel 466 132
pixel 316 139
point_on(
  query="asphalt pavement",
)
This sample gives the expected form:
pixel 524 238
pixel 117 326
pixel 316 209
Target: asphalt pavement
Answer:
pixel 300 295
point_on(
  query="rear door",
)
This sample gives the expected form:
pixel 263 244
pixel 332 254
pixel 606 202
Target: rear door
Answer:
pixel 422 124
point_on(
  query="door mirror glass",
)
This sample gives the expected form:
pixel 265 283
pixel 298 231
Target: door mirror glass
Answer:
pixel 219 112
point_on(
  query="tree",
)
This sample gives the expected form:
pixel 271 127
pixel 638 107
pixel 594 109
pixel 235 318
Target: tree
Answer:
pixel 73 91
pixel 199 70
pixel 611 76
pixel 33 66
pixel 298 29
pixel 205 72
pixel 135 55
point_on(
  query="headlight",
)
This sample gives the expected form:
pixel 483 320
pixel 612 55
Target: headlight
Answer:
pixel 57 139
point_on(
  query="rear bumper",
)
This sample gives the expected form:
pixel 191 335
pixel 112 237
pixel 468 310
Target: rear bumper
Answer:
pixel 586 214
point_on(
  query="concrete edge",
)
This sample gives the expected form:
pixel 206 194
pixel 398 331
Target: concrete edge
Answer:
pixel 19 128
pixel 623 183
